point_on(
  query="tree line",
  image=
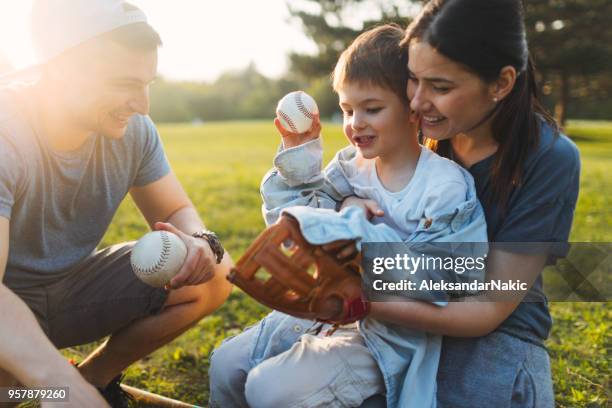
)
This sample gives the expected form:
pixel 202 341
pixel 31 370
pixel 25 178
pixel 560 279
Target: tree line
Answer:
pixel 571 41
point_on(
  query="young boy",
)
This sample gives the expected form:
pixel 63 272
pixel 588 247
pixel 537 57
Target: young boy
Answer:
pixel 410 194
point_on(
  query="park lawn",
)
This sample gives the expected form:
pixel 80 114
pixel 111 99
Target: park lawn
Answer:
pixel 221 165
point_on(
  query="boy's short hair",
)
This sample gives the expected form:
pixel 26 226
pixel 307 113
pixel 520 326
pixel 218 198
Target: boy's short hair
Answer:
pixel 375 57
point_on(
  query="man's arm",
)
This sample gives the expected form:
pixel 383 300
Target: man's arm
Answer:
pixel 475 317
pixel 165 205
pixel 26 353
pixel 165 200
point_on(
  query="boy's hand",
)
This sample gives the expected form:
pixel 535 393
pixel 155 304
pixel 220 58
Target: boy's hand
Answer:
pixel 343 251
pixel 370 207
pixel 346 250
pixel 296 139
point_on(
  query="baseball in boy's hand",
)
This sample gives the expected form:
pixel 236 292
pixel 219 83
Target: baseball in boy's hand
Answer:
pixel 296 139
pixel 296 111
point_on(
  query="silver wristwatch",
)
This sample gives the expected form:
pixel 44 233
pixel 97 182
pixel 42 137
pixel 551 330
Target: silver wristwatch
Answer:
pixel 213 242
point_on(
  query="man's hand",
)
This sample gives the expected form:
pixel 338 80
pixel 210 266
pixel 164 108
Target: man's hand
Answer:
pixel 295 139
pixel 199 265
pixel 370 207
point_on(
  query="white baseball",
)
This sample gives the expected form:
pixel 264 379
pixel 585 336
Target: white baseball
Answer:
pixel 295 111
pixel 157 257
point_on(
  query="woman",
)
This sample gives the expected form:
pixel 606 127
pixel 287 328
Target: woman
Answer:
pixel 472 82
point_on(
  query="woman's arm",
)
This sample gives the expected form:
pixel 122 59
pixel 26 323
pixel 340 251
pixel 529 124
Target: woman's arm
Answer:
pixel 473 317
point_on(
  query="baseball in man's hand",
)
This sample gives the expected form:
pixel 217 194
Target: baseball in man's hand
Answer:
pixel 157 257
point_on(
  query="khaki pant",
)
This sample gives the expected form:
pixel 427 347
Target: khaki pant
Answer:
pixel 316 371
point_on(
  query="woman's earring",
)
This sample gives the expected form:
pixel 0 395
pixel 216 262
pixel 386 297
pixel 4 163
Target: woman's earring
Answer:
pixel 495 99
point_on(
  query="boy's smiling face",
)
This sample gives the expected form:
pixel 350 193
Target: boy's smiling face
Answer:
pixel 376 121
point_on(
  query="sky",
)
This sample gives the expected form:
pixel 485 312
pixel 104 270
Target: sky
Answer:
pixel 202 38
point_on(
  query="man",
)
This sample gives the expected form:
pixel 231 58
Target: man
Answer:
pixel 72 145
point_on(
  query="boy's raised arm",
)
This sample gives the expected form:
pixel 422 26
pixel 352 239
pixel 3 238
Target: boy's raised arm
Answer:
pixel 296 178
pixel 296 139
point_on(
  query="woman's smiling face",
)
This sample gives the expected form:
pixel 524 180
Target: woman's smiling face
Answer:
pixel 449 98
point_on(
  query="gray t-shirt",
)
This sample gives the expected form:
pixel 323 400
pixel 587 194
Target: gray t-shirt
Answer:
pixel 60 203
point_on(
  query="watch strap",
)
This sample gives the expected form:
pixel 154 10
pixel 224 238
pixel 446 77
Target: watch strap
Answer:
pixel 213 242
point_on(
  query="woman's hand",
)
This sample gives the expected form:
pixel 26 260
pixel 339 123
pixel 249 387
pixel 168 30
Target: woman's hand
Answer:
pixel 295 139
pixel 369 207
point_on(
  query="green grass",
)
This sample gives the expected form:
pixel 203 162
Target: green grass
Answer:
pixel 221 164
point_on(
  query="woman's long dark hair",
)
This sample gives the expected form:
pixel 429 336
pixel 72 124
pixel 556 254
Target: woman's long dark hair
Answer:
pixel 485 36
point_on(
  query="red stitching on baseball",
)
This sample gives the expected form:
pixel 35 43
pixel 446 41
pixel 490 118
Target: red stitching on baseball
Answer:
pixel 287 119
pixel 150 270
pixel 301 106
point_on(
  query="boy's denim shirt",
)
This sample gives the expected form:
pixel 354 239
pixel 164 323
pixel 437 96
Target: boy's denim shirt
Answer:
pixel 408 359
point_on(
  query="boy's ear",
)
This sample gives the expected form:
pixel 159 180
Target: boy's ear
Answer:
pixel 504 83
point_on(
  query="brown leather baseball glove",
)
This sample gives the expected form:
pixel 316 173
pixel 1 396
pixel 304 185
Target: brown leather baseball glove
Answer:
pixel 283 271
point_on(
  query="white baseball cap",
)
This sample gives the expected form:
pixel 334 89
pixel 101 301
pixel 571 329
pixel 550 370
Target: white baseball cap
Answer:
pixel 59 25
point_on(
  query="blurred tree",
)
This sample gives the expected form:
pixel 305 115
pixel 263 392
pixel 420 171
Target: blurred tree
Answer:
pixel 333 24
pixel 244 94
pixel 571 41
pixel 320 89
pixel 170 101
